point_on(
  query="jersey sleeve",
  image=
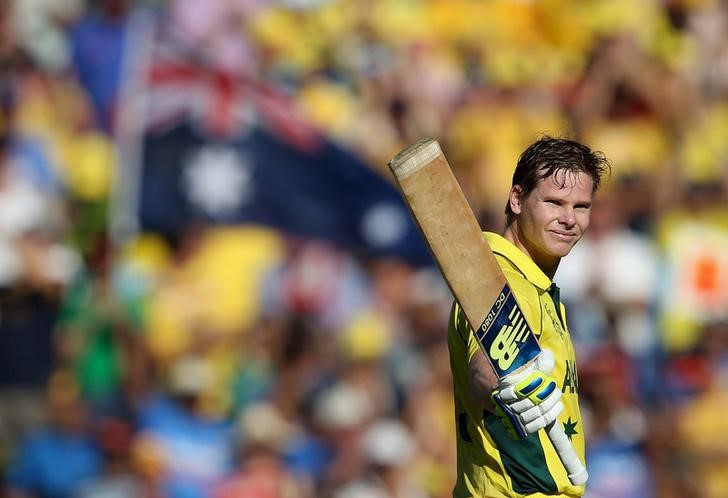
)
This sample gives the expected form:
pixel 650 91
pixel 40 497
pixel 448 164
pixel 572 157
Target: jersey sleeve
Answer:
pixel 461 325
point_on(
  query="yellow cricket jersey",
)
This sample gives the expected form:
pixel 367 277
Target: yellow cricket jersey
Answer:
pixel 491 464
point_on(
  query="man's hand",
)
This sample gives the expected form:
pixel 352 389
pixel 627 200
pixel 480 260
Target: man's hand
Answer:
pixel 530 400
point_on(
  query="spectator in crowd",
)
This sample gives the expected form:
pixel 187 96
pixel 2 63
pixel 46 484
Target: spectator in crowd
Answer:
pixel 35 267
pixel 617 427
pixel 389 451
pixel 53 461
pixel 98 329
pixel 700 425
pixel 195 447
pixel 262 470
pixel 692 240
pixel 117 478
pixel 341 347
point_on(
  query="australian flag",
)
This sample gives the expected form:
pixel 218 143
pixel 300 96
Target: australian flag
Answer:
pixel 227 149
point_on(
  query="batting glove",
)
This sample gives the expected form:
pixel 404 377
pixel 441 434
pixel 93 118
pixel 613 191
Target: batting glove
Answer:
pixel 530 400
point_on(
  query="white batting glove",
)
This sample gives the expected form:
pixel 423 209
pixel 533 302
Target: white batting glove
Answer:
pixel 530 400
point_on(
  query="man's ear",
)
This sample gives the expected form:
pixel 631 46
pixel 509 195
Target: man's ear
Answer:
pixel 515 199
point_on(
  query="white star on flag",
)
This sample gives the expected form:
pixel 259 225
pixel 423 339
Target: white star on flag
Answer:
pixel 383 224
pixel 217 180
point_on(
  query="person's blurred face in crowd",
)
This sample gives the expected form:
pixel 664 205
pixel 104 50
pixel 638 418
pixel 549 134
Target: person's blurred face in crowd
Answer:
pixel 7 108
pixel 114 8
pixel 66 409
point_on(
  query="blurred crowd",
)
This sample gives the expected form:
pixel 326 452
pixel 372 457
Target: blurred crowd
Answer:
pixel 242 361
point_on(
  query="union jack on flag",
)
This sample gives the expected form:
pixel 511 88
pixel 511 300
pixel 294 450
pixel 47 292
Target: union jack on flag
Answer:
pixel 182 85
pixel 224 147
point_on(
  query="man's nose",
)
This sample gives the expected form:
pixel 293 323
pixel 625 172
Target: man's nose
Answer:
pixel 567 216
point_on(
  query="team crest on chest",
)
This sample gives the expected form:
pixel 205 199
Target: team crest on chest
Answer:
pixel 554 320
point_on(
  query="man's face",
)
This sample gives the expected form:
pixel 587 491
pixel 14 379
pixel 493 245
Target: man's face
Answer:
pixel 554 216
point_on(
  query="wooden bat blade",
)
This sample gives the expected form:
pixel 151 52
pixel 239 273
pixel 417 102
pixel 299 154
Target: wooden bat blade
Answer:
pixel 449 227
pixel 470 269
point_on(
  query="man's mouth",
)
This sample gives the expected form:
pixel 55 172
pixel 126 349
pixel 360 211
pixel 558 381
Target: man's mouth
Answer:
pixel 565 236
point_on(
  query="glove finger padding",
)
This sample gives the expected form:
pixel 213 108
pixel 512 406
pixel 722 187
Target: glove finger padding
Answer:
pixel 530 400
pixel 544 363
pixel 547 408
pixel 537 387
pixel 541 418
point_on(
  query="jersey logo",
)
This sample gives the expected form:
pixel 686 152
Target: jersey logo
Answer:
pixel 505 335
pixel 555 321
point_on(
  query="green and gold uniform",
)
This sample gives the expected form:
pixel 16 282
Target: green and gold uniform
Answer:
pixel 490 463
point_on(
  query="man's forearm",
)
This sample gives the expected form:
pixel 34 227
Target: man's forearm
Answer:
pixel 482 380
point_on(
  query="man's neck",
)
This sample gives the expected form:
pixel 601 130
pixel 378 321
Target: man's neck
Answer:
pixel 547 264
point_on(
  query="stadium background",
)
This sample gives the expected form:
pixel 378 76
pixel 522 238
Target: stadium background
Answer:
pixel 247 361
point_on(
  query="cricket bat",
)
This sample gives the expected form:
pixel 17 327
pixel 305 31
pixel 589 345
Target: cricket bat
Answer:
pixel 470 269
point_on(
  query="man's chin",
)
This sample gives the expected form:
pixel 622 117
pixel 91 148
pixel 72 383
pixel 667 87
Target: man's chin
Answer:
pixel 562 249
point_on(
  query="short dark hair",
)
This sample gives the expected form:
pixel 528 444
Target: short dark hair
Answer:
pixel 548 155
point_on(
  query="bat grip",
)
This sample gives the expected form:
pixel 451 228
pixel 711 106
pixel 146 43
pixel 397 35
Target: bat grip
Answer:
pixel 576 470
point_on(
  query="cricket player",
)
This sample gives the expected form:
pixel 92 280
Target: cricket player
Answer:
pixel 502 451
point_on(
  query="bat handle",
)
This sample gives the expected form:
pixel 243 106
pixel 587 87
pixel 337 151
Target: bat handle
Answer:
pixel 576 470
